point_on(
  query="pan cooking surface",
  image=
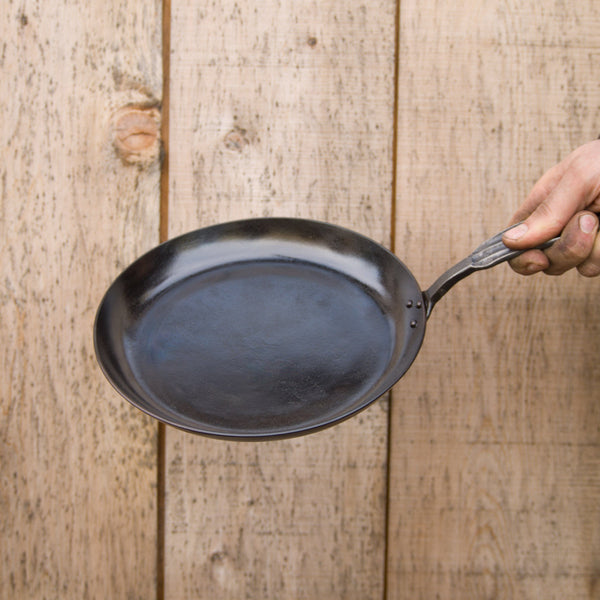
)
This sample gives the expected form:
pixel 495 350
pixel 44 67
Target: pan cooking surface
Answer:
pixel 266 328
pixel 260 346
pixel 259 329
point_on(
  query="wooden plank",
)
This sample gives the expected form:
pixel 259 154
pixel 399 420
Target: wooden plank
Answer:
pixel 495 456
pixel 77 463
pixel 280 109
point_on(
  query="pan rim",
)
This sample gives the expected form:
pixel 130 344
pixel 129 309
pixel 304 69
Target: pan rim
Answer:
pixel 160 411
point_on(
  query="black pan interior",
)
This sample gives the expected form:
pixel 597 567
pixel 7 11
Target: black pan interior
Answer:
pixel 260 328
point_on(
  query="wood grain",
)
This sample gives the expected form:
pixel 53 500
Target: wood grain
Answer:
pixel 285 108
pixel 495 455
pixel 77 463
pixel 280 108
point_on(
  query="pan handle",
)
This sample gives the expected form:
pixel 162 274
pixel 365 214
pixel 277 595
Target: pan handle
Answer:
pixel 491 253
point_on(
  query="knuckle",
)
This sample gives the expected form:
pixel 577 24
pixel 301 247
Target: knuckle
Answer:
pixel 546 212
pixel 557 269
pixel 585 170
pixel 589 269
pixel 529 262
pixel 572 248
pixel 574 254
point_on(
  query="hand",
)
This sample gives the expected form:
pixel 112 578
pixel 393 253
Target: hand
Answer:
pixel 565 199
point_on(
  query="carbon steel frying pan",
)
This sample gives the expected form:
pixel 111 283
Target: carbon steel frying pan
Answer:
pixel 266 328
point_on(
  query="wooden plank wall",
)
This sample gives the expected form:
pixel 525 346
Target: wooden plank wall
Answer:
pixel 285 108
pixel 77 464
pixel 495 463
pixel 420 124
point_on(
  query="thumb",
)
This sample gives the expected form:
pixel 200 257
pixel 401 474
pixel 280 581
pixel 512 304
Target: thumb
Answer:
pixel 550 217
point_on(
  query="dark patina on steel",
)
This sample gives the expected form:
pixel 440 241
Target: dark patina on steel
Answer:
pixel 266 328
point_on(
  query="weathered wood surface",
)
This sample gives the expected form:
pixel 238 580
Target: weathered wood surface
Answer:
pixel 280 108
pixel 77 464
pixel 495 457
pixel 287 109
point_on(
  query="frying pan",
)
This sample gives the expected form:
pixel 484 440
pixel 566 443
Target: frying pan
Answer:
pixel 267 328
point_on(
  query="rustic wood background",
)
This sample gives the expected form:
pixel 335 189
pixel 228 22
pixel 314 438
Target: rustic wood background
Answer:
pixel 421 124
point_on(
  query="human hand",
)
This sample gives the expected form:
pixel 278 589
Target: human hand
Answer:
pixel 565 199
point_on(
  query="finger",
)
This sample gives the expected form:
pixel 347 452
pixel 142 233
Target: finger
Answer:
pixel 590 267
pixel 551 216
pixel 575 244
pixel 530 262
pixel 540 191
pixel 570 186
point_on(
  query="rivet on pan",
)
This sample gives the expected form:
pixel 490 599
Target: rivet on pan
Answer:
pixel 419 304
pixel 409 304
pixel 413 324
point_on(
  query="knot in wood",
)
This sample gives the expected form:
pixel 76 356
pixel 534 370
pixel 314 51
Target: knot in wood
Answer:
pixel 236 139
pixel 137 134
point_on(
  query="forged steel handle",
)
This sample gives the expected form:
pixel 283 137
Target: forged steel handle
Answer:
pixel 491 253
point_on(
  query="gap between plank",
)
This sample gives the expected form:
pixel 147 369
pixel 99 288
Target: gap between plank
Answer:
pixel 163 232
pixel 163 235
pixel 160 513
pixel 387 535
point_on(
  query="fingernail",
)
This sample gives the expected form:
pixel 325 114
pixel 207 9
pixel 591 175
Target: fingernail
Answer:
pixel 587 223
pixel 516 233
